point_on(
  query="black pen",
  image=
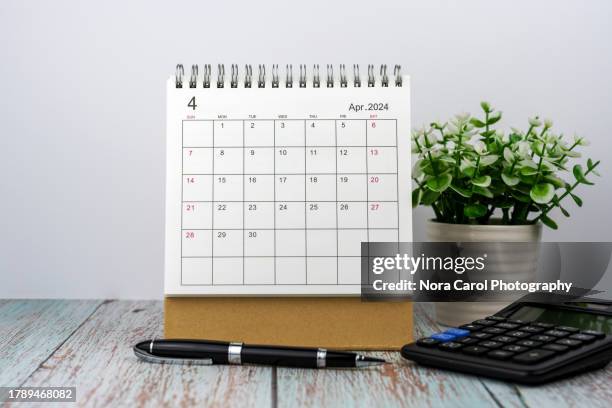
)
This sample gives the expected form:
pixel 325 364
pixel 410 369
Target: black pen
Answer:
pixel 218 352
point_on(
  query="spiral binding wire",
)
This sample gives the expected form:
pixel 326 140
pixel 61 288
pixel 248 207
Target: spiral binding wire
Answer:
pixel 289 77
pixel 207 71
pixel 248 75
pixel 205 76
pixel 275 76
pixel 302 76
pixel 234 80
pixel 193 79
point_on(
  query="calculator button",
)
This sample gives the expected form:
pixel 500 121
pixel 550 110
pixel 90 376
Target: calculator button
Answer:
pixel 508 326
pixel 493 330
pixel 543 325
pixel 533 356
pixel 569 342
pixel 543 338
pixel 458 332
pixel 481 335
pixel 450 346
pixel 514 348
pixel 490 344
pixel 504 339
pixel 427 342
pixel 529 343
pixel 468 340
pixel 475 350
pixel 597 334
pixel 568 329
pixel 532 329
pixel 517 333
pixel 585 338
pixel 443 337
pixel 496 318
pixel 517 321
pixel 556 333
pixel 485 322
pixel 555 347
pixel 471 327
pixel 500 354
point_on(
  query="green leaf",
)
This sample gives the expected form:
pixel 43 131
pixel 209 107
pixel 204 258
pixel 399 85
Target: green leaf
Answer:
pixel 488 133
pixel 501 202
pixel 461 190
pixel 520 196
pixel 477 123
pixel 548 222
pixel 483 191
pixel 514 138
pixel 482 181
pixel 469 171
pixel 447 159
pixel 417 169
pixel 554 180
pixel 577 199
pixel 486 106
pixel 494 118
pixel 508 155
pixel 417 193
pixel 429 197
pixel 528 171
pixel 427 168
pixel 439 183
pixel 488 160
pixel 475 210
pixel 589 164
pixel 548 166
pixel 538 148
pixel 579 174
pixel 497 188
pixel 542 193
pixel 571 153
pixel 564 211
pixel 509 179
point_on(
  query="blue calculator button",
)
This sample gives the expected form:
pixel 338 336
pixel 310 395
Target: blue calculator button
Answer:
pixel 443 337
pixel 458 332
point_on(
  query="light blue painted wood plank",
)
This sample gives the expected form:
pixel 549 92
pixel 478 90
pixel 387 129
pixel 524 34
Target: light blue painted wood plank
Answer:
pixel 98 360
pixel 401 383
pixel 505 394
pixel 30 330
pixel 591 390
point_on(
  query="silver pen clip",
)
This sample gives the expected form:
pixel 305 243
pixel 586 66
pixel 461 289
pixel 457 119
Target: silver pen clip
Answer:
pixel 166 360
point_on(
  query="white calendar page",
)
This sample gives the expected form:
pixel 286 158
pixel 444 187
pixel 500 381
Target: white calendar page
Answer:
pixel 270 191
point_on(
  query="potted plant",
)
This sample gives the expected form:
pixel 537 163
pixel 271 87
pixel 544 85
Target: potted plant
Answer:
pixel 489 185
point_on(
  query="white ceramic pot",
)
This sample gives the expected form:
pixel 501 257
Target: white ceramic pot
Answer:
pixel 509 265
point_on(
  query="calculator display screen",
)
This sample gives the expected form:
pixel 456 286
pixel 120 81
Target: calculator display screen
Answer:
pixel 581 320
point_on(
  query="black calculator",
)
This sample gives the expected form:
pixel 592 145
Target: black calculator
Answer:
pixel 527 342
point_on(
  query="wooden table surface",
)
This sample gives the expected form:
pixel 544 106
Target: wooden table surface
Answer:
pixel 88 344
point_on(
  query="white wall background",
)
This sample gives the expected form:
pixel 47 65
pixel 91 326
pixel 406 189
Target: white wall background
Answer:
pixel 82 108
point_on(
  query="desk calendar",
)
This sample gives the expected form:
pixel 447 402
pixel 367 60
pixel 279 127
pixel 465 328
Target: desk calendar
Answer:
pixel 272 184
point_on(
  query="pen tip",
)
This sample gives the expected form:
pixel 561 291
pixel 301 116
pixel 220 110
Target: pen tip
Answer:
pixel 364 361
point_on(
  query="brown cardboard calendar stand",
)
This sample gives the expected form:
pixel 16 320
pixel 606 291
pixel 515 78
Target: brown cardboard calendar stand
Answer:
pixel 330 322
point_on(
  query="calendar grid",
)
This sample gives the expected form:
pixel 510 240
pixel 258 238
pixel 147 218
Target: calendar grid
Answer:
pixel 182 198
pixel 226 170
pixel 305 201
pixel 397 187
pixel 367 183
pixel 336 212
pixel 212 208
pixel 243 206
pixel 274 189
